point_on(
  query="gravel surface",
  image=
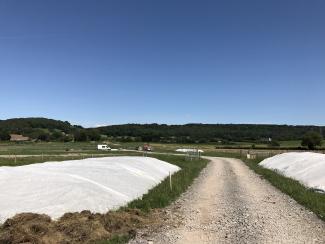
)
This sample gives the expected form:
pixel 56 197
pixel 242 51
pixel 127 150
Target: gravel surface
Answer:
pixel 229 203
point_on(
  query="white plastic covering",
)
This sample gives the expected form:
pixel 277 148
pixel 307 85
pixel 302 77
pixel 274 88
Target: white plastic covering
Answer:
pixel 97 184
pixel 306 167
pixel 185 150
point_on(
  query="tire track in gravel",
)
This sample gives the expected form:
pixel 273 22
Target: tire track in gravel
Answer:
pixel 229 203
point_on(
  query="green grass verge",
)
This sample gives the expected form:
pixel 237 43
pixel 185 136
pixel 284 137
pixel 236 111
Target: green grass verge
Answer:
pixel 161 196
pixel 303 195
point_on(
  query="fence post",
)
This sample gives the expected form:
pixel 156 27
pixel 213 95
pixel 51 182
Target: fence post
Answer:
pixel 170 181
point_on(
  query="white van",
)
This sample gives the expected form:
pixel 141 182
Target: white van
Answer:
pixel 103 147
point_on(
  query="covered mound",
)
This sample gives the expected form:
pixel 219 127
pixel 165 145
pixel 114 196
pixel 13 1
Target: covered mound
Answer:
pixel 97 184
pixel 306 167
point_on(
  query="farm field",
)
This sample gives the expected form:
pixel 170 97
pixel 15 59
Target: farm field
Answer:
pixel 13 154
pixel 35 148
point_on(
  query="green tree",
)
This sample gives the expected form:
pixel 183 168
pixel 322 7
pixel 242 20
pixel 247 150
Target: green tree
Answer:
pixel 4 136
pixel 67 138
pixel 93 135
pixel 56 136
pixel 312 139
pixel 80 135
pixel 44 137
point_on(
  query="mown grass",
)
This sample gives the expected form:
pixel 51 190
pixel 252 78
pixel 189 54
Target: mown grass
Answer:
pixel 310 199
pixel 37 148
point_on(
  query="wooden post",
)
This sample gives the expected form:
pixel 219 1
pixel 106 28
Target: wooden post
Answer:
pixel 15 158
pixel 170 181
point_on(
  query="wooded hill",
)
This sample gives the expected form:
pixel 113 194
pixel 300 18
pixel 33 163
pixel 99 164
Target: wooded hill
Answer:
pixel 203 133
pixel 38 128
pixel 56 130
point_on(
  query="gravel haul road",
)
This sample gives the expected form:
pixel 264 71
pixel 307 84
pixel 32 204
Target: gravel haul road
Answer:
pixel 229 203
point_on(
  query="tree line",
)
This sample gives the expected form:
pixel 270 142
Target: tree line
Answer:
pixel 43 129
pixel 55 130
pixel 205 133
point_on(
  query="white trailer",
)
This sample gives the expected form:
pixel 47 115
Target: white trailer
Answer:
pixel 103 147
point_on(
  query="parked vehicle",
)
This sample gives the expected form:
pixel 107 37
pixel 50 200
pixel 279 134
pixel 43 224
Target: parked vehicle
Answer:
pixel 103 147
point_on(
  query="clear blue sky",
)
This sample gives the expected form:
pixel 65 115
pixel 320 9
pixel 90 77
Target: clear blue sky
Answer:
pixel 112 62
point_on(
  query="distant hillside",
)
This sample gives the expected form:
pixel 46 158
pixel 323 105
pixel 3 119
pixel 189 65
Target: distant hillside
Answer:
pixel 55 130
pixel 38 128
pixel 20 125
pixel 208 132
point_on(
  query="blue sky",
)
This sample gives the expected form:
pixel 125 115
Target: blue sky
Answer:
pixel 113 62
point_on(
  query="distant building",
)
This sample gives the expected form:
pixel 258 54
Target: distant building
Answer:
pixel 16 137
pixel 146 147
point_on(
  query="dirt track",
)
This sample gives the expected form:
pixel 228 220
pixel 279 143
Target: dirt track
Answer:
pixel 229 203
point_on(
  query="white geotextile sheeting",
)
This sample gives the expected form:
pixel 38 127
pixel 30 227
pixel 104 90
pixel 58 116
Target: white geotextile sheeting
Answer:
pixel 306 167
pixel 96 184
pixel 188 150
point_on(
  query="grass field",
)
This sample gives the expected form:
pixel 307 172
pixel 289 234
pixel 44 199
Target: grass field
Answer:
pixel 67 148
pixel 38 148
pixel 12 154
